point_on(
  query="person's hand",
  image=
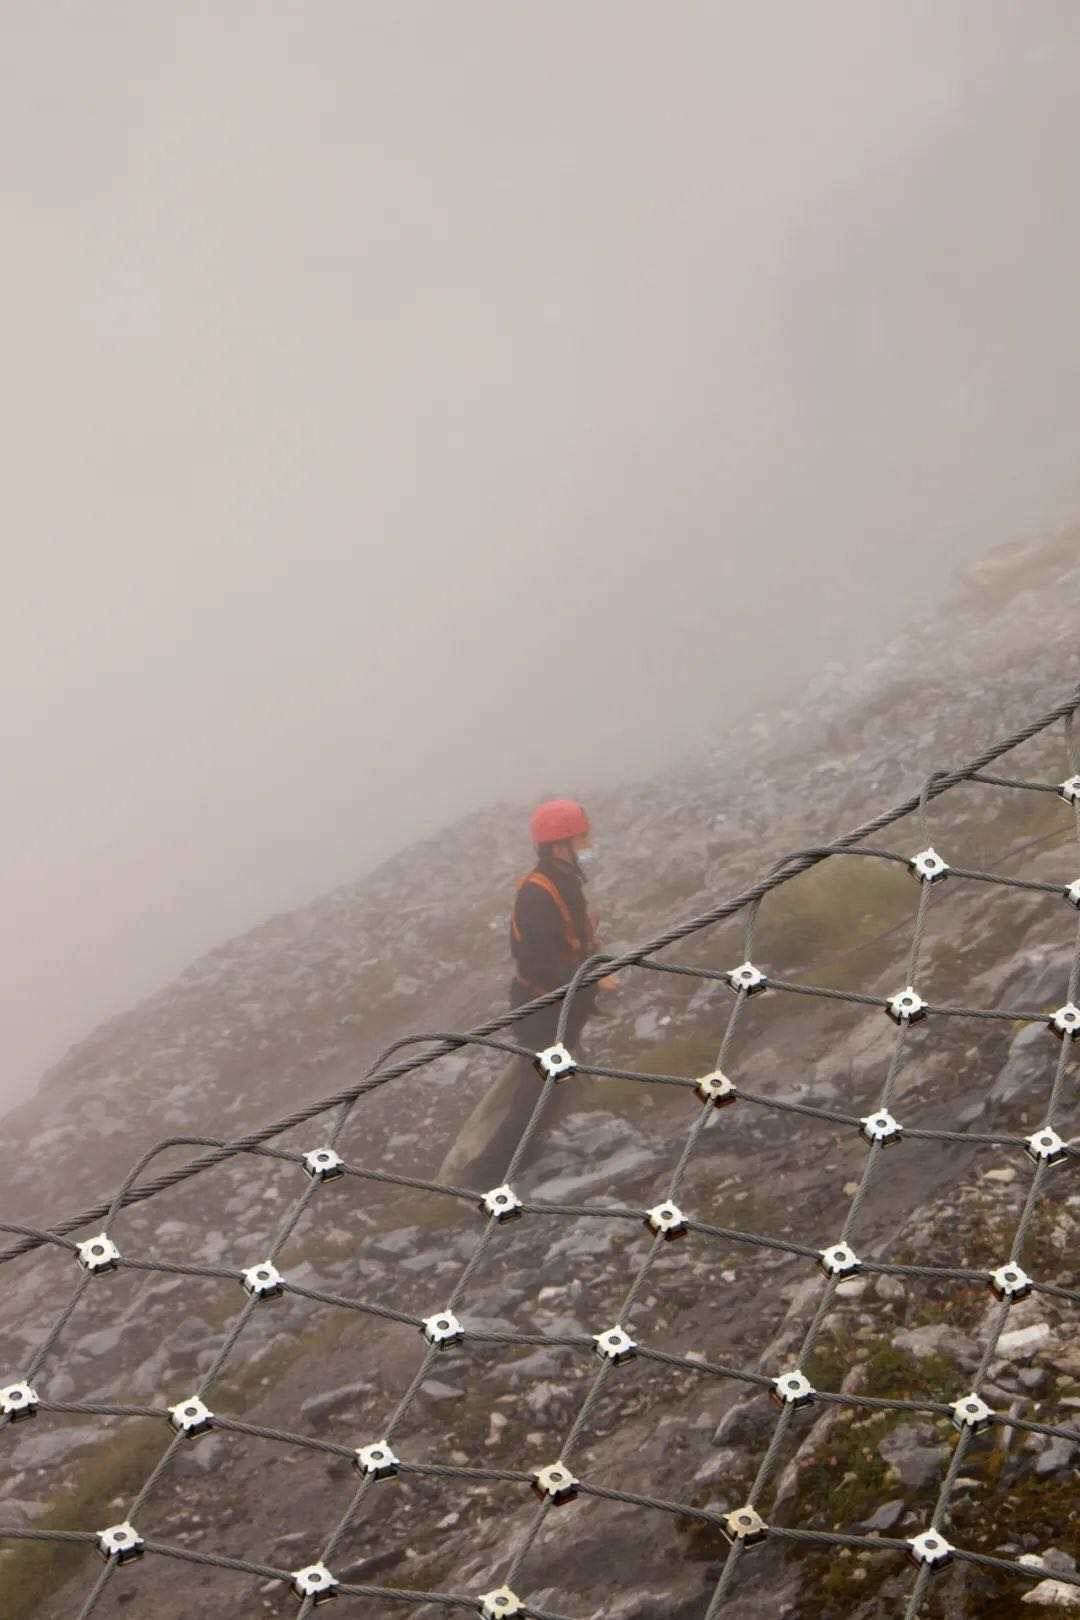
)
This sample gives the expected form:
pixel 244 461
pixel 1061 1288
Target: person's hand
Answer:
pixel 610 981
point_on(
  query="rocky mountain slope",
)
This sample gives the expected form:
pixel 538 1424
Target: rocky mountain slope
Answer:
pixel 302 1005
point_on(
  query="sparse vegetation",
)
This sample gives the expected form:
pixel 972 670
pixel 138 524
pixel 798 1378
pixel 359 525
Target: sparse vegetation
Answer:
pixel 838 905
pixel 31 1570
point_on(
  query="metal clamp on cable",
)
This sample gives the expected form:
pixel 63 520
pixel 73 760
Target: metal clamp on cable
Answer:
pixel 1046 1147
pixel 792 1389
pixel 928 866
pixel 971 1412
pixel 746 1525
pixel 839 1261
pixel 263 1281
pixel 747 978
pixel 99 1254
pixel 667 1220
pixel 716 1089
pixel 442 1329
pixel 18 1401
pixel 882 1128
pixel 191 1417
pixel 929 1548
pixel 377 1460
pixel 906 1007
pixel 120 1543
pixel 501 1202
pixel 555 1483
pixel 1010 1283
pixel 554 1063
pixel 502 1604
pixel 614 1345
pixel 315 1582
pixel 323 1164
pixel 1065 1023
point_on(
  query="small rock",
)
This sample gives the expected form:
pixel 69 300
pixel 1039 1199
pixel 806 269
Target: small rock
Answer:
pixel 888 1515
pixel 939 1339
pixel 1053 1595
pixel 392 1244
pixel 320 1406
pixel 1057 1456
pixel 101 1343
pixel 437 1391
pixel 747 1423
pixel 908 1448
pixel 1023 1341
pixel 728 1463
pixel 201 1455
pixel 1004 1175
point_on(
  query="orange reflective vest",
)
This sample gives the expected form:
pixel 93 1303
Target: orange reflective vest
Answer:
pixel 576 946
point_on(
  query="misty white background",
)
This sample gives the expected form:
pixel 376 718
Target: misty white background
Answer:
pixel 408 406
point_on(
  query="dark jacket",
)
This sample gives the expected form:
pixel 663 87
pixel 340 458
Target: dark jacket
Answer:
pixel 543 955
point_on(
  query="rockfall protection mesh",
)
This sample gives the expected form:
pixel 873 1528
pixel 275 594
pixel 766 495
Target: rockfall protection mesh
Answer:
pixel 26 1391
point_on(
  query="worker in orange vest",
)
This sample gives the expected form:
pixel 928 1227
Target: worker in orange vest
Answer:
pixel 552 932
pixel 551 928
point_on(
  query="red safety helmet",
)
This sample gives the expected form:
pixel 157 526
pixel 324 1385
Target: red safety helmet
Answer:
pixel 557 819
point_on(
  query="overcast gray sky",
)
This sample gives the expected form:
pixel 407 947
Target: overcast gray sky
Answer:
pixel 408 405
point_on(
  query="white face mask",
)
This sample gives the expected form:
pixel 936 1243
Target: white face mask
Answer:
pixel 586 857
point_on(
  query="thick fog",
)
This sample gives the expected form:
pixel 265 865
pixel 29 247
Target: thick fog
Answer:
pixel 409 406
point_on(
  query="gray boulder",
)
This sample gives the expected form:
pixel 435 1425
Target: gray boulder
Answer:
pixel 909 1450
pixel 939 1339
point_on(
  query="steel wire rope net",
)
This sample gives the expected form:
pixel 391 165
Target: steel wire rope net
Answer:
pixel 24 1391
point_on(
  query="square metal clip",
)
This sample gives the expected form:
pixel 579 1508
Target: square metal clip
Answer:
pixel 443 1328
pixel 745 1524
pixel 906 1007
pixel 747 978
pixel 1070 790
pixel 18 1401
pixel 882 1128
pixel 839 1261
pixel 315 1582
pixel 120 1543
pixel 971 1412
pixel 792 1389
pixel 554 1063
pixel 191 1416
pixel 263 1281
pixel 99 1254
pixel 502 1202
pixel 555 1483
pixel 667 1220
pixel 323 1164
pixel 928 866
pixel 1046 1147
pixel 1065 1023
pixel 614 1345
pixel 377 1460
pixel 930 1548
pixel 1010 1282
pixel 716 1089
pixel 1072 893
pixel 502 1604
